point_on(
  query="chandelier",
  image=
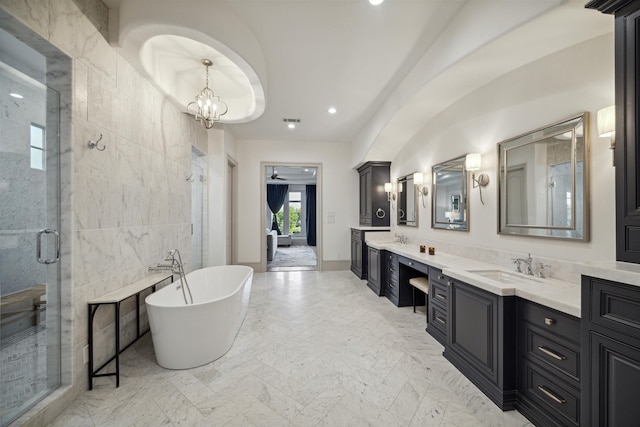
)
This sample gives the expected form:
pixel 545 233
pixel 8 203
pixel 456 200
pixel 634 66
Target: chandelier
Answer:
pixel 207 108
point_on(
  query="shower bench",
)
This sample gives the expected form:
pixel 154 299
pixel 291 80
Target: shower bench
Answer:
pixel 115 298
pixel 23 305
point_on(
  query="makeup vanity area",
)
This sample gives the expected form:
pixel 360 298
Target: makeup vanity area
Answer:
pixel 533 334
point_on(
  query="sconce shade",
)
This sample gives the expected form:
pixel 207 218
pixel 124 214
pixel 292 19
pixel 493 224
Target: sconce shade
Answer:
pixel 606 121
pixel 388 187
pixel 418 178
pixel 473 161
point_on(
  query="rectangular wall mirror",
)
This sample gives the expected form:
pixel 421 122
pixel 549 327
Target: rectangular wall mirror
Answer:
pixel 449 195
pixel 407 210
pixel 543 186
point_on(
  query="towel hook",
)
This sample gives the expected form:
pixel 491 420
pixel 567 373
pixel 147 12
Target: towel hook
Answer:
pixel 94 144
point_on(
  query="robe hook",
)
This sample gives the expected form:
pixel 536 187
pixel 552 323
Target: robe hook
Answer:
pixel 94 144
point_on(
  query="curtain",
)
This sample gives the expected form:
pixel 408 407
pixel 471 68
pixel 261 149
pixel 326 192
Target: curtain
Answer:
pixel 276 193
pixel 311 215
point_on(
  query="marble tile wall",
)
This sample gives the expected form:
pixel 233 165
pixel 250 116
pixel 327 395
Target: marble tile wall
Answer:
pixel 131 203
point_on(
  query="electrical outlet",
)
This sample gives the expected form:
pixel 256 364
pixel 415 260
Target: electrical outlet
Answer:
pixel 85 354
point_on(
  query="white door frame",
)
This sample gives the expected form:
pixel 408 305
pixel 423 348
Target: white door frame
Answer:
pixel 263 208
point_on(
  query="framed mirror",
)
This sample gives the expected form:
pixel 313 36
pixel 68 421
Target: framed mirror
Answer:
pixel 407 210
pixel 449 195
pixel 543 185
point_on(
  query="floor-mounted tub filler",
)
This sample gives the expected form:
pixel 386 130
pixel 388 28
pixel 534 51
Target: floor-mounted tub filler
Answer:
pixel 190 335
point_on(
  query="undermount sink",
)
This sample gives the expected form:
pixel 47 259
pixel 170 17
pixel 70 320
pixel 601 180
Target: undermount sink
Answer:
pixel 504 276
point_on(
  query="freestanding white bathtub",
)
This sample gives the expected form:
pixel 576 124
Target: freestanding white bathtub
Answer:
pixel 185 336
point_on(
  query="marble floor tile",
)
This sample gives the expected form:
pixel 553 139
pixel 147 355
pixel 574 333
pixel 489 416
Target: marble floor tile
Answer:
pixel 316 349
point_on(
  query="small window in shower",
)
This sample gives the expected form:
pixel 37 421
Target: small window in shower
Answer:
pixel 37 147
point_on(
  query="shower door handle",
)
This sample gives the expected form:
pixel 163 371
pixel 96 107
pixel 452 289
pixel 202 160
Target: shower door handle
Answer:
pixel 39 246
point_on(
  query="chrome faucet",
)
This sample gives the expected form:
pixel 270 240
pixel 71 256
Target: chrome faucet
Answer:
pixel 176 267
pixel 402 239
pixel 526 261
pixel 541 267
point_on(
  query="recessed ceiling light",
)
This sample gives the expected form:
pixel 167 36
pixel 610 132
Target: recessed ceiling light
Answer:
pixel 291 125
pixel 375 2
pixel 332 110
pixel 16 95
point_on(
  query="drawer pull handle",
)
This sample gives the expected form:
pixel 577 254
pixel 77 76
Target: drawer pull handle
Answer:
pixel 551 353
pixel 392 270
pixel 441 320
pixel 551 395
pixel 449 283
pixel 410 263
pixel 549 321
pixel 441 277
pixel 391 285
pixel 441 296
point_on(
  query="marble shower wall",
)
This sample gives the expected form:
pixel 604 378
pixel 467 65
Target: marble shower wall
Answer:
pixel 130 203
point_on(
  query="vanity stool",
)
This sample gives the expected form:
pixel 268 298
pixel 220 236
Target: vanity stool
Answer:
pixel 421 283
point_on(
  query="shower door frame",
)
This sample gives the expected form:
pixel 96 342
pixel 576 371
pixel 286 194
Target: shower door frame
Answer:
pixel 59 78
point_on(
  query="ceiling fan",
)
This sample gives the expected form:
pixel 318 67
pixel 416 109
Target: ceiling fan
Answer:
pixel 274 174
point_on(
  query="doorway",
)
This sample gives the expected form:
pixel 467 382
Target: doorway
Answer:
pixel 198 202
pixel 30 243
pixel 291 210
pixel 231 209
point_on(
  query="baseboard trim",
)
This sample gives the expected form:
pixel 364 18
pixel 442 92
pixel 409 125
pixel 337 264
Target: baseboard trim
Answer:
pixel 257 266
pixel 336 265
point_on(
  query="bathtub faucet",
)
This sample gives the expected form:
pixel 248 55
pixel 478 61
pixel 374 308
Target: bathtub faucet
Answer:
pixel 162 267
pixel 176 267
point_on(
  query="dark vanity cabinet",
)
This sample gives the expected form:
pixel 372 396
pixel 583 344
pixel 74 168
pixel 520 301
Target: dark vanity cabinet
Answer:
pixel 357 243
pixel 548 360
pixel 480 340
pixel 627 151
pixel 610 334
pixel 438 305
pixel 391 281
pixel 360 252
pixel 400 270
pixel 374 203
pixel 375 276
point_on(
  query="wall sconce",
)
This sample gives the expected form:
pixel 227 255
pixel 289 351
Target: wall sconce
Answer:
pixel 418 181
pixel 606 122
pixel 472 163
pixel 391 196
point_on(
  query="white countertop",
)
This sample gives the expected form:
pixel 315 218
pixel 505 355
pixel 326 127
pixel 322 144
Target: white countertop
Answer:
pixel 559 295
pixel 623 272
pixel 369 228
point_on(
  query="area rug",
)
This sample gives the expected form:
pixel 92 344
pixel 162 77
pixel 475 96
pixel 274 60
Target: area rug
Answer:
pixel 294 256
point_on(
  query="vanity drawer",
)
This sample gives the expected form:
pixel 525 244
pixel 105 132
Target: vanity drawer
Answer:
pixel 615 306
pixel 392 287
pixel 438 293
pixel 550 351
pixel 356 234
pixel 557 398
pixel 550 320
pixel 435 275
pixel 418 266
pixel 438 318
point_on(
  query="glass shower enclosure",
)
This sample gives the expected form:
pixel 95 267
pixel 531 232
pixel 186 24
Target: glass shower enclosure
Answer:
pixel 29 224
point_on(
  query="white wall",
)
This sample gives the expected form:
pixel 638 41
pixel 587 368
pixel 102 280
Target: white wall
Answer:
pixel 339 192
pixel 553 88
